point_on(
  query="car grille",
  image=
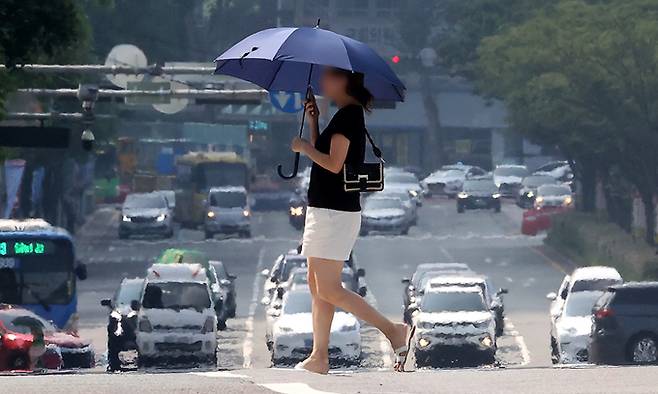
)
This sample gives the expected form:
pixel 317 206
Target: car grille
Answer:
pixel 142 219
pixel 582 355
pixel 189 327
pixel 183 347
pixel 436 187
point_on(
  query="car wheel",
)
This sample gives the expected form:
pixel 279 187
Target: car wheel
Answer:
pixel 245 234
pixel 644 350
pixel 209 235
pixel 497 208
pixel 221 325
pixel 404 231
pixel 19 362
pixel 500 328
pixel 460 209
pixel 123 235
pixel 363 232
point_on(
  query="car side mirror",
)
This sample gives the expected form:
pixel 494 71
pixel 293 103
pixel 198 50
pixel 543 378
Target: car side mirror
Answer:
pixel 564 294
pixel 265 301
pixel 551 296
pixel 413 309
pixel 363 291
pixel 234 277
pixel 106 302
pixel 265 272
pixel 502 291
pixel 81 271
pixel 279 293
pixel 361 272
pixel 135 305
pixel 405 281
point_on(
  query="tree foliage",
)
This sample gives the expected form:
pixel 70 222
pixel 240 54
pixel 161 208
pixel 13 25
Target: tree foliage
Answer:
pixel 580 76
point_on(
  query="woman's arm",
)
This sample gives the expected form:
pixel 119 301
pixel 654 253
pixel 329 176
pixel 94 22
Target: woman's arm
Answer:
pixel 333 161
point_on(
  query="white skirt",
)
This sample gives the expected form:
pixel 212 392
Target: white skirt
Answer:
pixel 330 234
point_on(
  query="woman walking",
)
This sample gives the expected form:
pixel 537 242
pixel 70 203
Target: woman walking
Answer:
pixel 333 218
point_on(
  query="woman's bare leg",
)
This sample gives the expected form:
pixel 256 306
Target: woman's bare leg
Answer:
pixel 323 314
pixel 330 289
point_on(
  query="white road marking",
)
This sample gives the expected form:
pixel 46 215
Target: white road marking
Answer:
pixel 293 388
pixel 248 344
pixel 520 342
pixel 220 374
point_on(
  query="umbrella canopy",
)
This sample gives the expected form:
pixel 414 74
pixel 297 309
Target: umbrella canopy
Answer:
pixel 284 59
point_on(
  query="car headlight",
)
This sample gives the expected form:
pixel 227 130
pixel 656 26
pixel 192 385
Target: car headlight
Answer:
pixel 296 211
pixel 348 328
pixel 495 195
pixel 211 214
pixel 125 218
pixel 497 184
pixel 568 200
pixel 246 213
pixel 530 194
pixel 423 342
pixel 539 199
pixel 486 341
pixel 145 325
pixel 413 193
pixel 462 195
pixel 161 217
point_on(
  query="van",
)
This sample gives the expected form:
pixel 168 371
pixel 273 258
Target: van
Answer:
pixel 176 320
pixel 228 212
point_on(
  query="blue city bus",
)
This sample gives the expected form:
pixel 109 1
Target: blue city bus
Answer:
pixel 38 270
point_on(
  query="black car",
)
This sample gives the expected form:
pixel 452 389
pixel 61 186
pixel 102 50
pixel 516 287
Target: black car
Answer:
pixel 122 322
pixel 479 193
pixel 227 285
pixel 625 325
pixel 529 185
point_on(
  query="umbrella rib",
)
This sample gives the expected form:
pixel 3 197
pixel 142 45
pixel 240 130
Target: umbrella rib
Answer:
pixel 275 74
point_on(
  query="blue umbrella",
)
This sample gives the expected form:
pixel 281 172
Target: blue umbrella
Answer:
pixel 285 59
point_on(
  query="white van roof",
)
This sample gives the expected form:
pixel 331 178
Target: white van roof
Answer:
pixel 176 272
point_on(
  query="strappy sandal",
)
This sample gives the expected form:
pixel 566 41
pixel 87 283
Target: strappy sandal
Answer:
pixel 402 353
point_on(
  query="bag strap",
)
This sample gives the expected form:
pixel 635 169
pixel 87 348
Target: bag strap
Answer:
pixel 375 150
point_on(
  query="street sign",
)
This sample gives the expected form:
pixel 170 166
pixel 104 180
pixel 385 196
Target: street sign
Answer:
pixel 148 85
pixel 289 102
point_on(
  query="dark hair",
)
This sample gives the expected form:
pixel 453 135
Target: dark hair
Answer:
pixel 356 87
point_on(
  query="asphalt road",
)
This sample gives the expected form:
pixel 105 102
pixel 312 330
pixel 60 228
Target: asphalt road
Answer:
pixel 490 243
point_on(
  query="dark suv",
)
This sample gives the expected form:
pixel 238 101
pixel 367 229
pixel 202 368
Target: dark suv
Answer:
pixel 625 328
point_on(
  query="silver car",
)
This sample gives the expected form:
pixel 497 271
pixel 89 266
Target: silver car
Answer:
pixel 228 212
pixel 146 214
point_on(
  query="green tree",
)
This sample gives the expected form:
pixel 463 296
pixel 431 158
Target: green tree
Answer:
pixel 581 77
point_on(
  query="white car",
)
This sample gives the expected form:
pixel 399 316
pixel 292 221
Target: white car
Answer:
pixel 146 214
pixel 292 332
pixel 571 329
pixel 554 196
pixel 448 182
pixel 454 325
pixel 280 272
pixel 407 202
pixel 385 214
pixel 594 278
pixel 405 181
pixel 176 321
pixel 508 178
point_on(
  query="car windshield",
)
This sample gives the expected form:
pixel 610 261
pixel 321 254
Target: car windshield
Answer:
pixel 176 295
pixel 297 302
pixel 481 185
pixel 145 201
pixel 383 203
pixel 536 181
pixel 594 284
pixel 401 178
pixel 228 199
pixel 402 196
pixel 581 303
pixel 129 291
pixel 290 265
pixel 22 321
pixel 457 301
pixel 511 171
pixel 221 270
pixel 554 190
pixel 453 173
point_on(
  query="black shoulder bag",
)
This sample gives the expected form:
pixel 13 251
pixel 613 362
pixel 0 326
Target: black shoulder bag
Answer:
pixel 365 177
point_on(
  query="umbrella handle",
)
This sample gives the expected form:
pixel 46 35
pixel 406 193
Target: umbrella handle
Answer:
pixel 295 168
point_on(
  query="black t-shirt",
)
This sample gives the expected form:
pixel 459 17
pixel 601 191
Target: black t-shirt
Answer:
pixel 326 189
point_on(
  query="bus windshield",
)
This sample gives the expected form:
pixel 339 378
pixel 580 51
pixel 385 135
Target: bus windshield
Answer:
pixel 36 271
pixel 223 174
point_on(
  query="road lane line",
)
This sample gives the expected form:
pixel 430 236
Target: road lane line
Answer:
pixel 248 344
pixel 520 342
pixel 549 260
pixel 220 374
pixel 293 388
